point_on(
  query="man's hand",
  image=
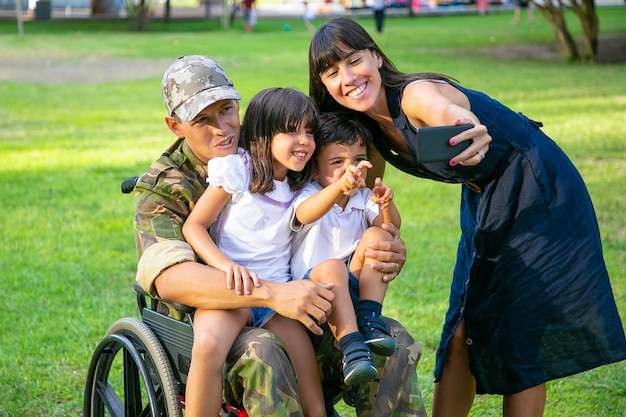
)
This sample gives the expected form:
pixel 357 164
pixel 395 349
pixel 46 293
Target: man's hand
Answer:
pixel 303 300
pixel 390 256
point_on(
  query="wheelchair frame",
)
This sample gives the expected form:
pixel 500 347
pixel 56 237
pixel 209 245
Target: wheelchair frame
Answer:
pixel 140 367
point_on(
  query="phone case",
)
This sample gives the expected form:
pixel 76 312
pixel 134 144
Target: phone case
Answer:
pixel 433 146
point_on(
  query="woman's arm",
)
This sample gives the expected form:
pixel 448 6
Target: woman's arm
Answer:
pixel 440 104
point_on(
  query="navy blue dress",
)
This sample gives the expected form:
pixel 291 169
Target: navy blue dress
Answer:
pixel 530 278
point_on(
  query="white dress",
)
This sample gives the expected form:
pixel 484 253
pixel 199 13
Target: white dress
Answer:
pixel 253 229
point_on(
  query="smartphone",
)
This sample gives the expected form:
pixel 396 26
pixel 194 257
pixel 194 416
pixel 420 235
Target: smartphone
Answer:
pixel 433 145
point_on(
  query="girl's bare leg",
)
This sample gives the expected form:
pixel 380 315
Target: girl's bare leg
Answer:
pixel 214 334
pixel 455 391
pixel 299 346
pixel 528 403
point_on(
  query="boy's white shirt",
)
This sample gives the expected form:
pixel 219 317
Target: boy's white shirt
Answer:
pixel 336 235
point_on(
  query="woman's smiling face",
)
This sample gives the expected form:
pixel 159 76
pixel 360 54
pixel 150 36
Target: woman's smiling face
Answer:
pixel 354 82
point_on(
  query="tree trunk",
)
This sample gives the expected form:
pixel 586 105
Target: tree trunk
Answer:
pixel 586 11
pixel 103 7
pixel 167 12
pixel 139 15
pixel 552 11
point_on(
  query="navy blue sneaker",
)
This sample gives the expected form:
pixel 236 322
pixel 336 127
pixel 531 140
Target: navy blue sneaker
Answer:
pixel 376 335
pixel 358 367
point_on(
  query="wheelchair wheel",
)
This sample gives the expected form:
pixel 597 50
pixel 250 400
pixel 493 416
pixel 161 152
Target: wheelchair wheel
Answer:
pixel 138 382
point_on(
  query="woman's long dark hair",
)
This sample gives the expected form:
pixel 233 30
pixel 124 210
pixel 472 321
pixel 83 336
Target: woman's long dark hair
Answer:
pixel 273 111
pixel 325 51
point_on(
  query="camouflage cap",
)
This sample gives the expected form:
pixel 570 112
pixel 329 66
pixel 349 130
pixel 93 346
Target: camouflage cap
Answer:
pixel 191 83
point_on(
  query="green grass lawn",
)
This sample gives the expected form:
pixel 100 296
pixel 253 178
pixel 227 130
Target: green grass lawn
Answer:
pixel 67 251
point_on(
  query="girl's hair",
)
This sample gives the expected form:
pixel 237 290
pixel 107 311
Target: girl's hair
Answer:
pixel 342 128
pixel 326 50
pixel 270 112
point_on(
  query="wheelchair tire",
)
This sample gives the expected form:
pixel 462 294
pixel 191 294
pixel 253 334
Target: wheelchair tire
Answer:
pixel 140 383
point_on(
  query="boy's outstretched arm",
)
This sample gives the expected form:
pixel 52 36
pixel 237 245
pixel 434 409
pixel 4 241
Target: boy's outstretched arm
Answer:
pixel 383 196
pixel 316 206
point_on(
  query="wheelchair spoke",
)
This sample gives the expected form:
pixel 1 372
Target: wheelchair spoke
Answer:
pixel 132 386
pixel 110 399
pixel 138 382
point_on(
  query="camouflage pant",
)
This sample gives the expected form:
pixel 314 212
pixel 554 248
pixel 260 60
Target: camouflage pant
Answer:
pixel 259 375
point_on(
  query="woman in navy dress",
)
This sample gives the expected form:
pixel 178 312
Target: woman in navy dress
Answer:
pixel 530 299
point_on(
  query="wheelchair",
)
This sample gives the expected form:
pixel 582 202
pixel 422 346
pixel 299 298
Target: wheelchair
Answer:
pixel 140 367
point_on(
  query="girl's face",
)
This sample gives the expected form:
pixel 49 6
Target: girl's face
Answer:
pixel 355 82
pixel 334 158
pixel 291 151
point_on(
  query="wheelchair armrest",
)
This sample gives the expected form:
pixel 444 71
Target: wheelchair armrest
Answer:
pixel 143 293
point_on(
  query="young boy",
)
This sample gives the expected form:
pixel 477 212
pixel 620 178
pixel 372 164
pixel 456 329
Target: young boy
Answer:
pixel 342 216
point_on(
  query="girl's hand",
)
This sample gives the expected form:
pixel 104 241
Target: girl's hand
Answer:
pixel 476 152
pixel 381 194
pixel 240 278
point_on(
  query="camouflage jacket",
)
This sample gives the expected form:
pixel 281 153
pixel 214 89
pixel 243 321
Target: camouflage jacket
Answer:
pixel 164 197
pixel 166 194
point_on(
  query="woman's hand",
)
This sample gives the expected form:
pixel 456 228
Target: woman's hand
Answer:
pixel 390 255
pixel 476 152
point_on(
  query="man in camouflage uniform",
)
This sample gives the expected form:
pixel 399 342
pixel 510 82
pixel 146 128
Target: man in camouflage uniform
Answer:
pixel 203 111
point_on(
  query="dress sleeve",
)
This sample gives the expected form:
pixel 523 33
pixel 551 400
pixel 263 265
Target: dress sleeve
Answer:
pixel 231 173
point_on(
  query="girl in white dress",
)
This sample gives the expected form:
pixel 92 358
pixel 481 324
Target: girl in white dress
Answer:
pixel 249 209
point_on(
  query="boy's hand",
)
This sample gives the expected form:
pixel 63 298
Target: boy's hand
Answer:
pixel 381 194
pixel 240 278
pixel 354 177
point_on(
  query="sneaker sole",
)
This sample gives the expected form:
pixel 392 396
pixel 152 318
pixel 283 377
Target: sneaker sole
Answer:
pixel 382 347
pixel 361 374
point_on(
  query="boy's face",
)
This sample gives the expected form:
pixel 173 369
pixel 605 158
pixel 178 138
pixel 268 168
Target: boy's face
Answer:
pixel 214 131
pixel 334 159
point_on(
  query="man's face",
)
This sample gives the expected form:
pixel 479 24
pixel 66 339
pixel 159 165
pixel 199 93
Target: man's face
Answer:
pixel 214 131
